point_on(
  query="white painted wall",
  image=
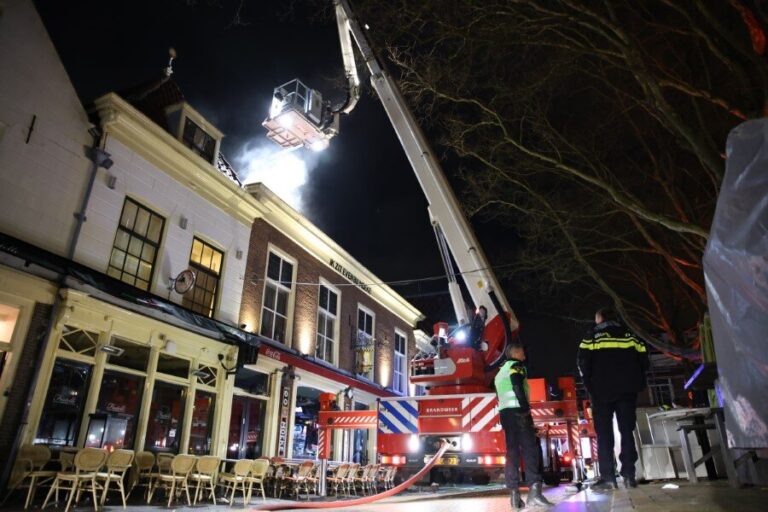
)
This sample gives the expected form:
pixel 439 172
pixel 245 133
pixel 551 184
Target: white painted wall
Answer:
pixel 152 187
pixel 41 182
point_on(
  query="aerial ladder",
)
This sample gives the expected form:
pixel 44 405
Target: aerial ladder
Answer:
pixel 457 368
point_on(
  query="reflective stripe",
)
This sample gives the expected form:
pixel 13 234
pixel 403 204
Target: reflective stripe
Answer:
pixel 613 343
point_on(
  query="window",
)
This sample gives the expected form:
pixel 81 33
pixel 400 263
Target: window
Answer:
pixel 327 311
pixel 134 356
pixel 277 289
pixel 119 401
pixel 171 365
pixel 64 404
pixel 364 343
pixel 202 423
pixel 137 241
pixel 165 416
pixel 196 139
pixel 399 368
pixel 205 260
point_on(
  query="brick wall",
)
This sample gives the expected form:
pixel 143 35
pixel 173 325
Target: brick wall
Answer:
pixel 310 270
pixel 10 423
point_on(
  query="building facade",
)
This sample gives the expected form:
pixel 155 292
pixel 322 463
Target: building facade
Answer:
pixel 103 342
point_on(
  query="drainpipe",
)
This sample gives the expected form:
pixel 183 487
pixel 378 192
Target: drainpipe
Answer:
pixel 99 158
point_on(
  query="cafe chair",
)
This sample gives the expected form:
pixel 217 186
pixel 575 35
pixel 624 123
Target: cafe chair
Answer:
pixel 144 463
pixel 29 471
pixel 88 462
pixel 176 480
pixel 118 464
pixel 349 480
pixel 205 476
pixel 237 478
pixel 338 478
pixel 295 482
pixel 258 474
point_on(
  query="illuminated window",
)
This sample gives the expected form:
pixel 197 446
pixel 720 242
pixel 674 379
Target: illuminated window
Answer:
pixel 364 343
pixel 327 312
pixel 205 260
pixel 277 290
pixel 137 241
pixel 399 368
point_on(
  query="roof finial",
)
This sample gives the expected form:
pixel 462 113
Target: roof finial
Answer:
pixel 171 56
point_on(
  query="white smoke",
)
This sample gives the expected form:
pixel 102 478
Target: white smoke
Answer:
pixel 285 172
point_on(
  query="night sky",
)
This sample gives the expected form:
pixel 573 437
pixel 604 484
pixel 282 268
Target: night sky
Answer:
pixel 361 192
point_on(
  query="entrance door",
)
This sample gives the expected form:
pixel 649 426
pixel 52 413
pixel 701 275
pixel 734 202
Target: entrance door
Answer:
pixel 246 428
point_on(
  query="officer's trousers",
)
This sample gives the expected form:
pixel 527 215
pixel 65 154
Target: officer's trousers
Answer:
pixel 602 412
pixel 520 437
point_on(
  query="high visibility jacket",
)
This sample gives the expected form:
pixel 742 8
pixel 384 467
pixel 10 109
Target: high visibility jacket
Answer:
pixel 511 372
pixel 612 362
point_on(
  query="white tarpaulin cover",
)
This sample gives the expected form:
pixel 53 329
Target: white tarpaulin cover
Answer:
pixel 736 274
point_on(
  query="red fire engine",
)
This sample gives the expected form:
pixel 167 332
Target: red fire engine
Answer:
pixel 456 369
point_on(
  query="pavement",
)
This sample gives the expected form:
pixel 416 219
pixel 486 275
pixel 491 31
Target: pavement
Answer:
pixel 704 497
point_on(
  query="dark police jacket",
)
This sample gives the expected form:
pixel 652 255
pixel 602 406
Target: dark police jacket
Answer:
pixel 612 362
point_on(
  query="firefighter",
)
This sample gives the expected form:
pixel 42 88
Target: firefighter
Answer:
pixel 515 414
pixel 612 363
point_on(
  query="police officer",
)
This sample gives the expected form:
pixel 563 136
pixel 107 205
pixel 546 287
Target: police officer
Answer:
pixel 515 413
pixel 612 363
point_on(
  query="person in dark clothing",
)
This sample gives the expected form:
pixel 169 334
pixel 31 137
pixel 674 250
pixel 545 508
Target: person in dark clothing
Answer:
pixel 612 363
pixel 515 413
pixel 477 326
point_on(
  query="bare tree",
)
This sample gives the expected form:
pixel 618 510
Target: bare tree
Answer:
pixel 590 131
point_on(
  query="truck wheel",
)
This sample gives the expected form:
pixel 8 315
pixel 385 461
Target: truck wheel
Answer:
pixel 551 479
pixel 481 479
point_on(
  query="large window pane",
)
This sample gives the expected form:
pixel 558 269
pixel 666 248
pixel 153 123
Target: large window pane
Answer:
pixel 246 427
pixel 120 400
pixel 202 423
pixel 279 281
pixel 165 418
pixel 135 247
pixel 205 261
pixel 63 408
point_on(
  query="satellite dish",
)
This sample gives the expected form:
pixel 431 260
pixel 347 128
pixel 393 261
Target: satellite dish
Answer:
pixel 183 282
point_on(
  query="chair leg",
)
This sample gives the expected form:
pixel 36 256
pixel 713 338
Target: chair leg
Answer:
pixel 53 488
pixel 232 495
pixel 105 491
pixel 93 493
pixel 186 491
pixel 213 492
pixel 72 492
pixel 121 486
pixel 172 493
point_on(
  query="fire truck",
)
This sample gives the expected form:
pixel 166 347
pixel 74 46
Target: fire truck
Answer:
pixel 457 368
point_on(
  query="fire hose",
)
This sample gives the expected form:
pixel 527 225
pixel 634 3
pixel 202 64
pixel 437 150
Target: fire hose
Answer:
pixel 367 499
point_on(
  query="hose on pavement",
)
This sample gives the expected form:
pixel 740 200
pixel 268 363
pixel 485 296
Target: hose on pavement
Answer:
pixel 366 499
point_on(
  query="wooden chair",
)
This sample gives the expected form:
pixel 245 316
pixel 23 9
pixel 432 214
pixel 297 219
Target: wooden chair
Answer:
pixel 205 474
pixel 144 463
pixel 338 477
pixel 118 464
pixel 389 477
pixel 299 480
pixel 349 480
pixel 178 478
pixel 29 471
pixel 257 476
pixel 88 462
pixel 238 477
pixel 361 478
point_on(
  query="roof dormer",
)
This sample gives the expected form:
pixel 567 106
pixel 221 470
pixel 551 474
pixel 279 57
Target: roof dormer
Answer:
pixel 194 131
